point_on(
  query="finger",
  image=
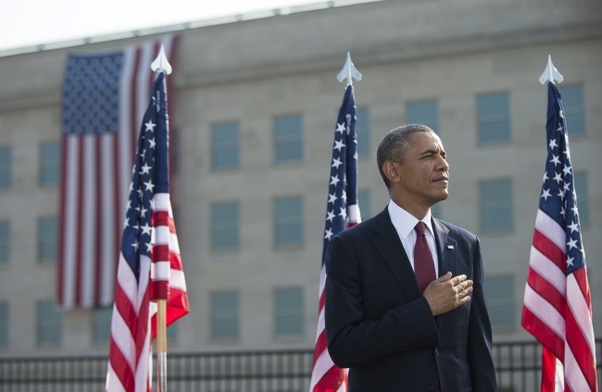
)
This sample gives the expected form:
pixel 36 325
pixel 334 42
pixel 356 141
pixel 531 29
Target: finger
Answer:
pixel 458 279
pixel 465 291
pixel 446 277
pixel 465 284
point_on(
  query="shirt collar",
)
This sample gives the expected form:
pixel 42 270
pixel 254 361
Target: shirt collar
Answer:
pixel 405 222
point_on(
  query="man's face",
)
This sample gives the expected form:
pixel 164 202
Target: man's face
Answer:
pixel 423 176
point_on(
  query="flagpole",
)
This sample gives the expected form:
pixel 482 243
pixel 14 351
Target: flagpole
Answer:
pixel 161 346
pixel 161 64
pixel 552 371
pixel 325 375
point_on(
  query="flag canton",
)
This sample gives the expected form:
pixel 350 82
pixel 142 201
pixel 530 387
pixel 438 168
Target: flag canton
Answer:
pixel 149 176
pixel 91 93
pixel 558 197
pixel 342 189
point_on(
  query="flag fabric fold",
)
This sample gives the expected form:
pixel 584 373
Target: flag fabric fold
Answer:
pixel 104 96
pixel 150 265
pixel 557 308
pixel 342 211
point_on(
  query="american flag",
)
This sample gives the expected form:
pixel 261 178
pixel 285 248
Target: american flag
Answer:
pixel 557 304
pixel 149 266
pixel 104 97
pixel 342 211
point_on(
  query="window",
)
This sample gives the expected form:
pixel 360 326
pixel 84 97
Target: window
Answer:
pixel 288 310
pixel 288 221
pixel 6 157
pixel 4 242
pixel 580 180
pixel 47 239
pixel 50 163
pixel 493 111
pixel 101 324
pixel 49 323
pixel 3 324
pixel 363 197
pixel 362 130
pixel 225 139
pixel 288 139
pixel 500 300
pixel 424 112
pixel 225 224
pixel 495 205
pixel 574 109
pixel 224 315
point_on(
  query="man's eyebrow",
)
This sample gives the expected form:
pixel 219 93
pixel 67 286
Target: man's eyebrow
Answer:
pixel 430 152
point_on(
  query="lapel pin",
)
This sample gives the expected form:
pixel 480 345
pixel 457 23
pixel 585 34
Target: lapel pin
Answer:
pixel 450 247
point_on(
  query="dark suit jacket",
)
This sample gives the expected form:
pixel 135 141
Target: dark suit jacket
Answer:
pixel 380 326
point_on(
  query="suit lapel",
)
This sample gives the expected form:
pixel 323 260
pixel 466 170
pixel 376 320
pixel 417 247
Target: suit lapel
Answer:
pixel 388 244
pixel 446 248
pixel 446 253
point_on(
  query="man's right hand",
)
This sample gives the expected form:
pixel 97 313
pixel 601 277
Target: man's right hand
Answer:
pixel 447 293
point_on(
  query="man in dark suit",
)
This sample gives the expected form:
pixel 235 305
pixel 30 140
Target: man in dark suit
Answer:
pixel 394 326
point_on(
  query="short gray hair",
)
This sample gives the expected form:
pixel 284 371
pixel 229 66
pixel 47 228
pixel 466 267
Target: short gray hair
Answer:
pixel 394 144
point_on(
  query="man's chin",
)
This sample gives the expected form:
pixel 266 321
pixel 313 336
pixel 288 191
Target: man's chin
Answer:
pixel 442 196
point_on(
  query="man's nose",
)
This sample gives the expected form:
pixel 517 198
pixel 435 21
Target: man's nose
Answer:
pixel 443 164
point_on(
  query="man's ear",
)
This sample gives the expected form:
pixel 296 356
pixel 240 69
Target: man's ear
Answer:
pixel 390 171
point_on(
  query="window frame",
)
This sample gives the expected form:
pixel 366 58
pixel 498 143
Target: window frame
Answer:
pixel 231 227
pixel 221 148
pixel 284 136
pixel 48 323
pixel 6 164
pixel 421 105
pixel 296 312
pixel 50 165
pixel 294 221
pixel 487 134
pixel 231 315
pixel 506 206
pixel 508 302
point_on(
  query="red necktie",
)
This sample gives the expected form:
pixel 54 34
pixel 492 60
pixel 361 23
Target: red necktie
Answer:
pixel 424 268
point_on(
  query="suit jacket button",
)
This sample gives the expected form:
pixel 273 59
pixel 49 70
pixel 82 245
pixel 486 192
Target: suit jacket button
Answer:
pixel 436 352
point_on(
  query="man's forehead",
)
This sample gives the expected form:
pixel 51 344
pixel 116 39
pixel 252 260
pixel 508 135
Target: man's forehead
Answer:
pixel 427 138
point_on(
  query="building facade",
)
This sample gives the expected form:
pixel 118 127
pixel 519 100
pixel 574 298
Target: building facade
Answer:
pixel 253 114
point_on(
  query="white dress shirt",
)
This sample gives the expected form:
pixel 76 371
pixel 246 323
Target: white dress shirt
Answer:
pixel 405 223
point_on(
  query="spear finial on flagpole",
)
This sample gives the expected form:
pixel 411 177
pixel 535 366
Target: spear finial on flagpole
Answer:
pixel 160 64
pixel 349 72
pixel 550 73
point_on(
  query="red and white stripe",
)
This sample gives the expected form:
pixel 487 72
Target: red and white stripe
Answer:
pixel 326 376
pixel 167 273
pixel 557 311
pixel 130 360
pixel 133 324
